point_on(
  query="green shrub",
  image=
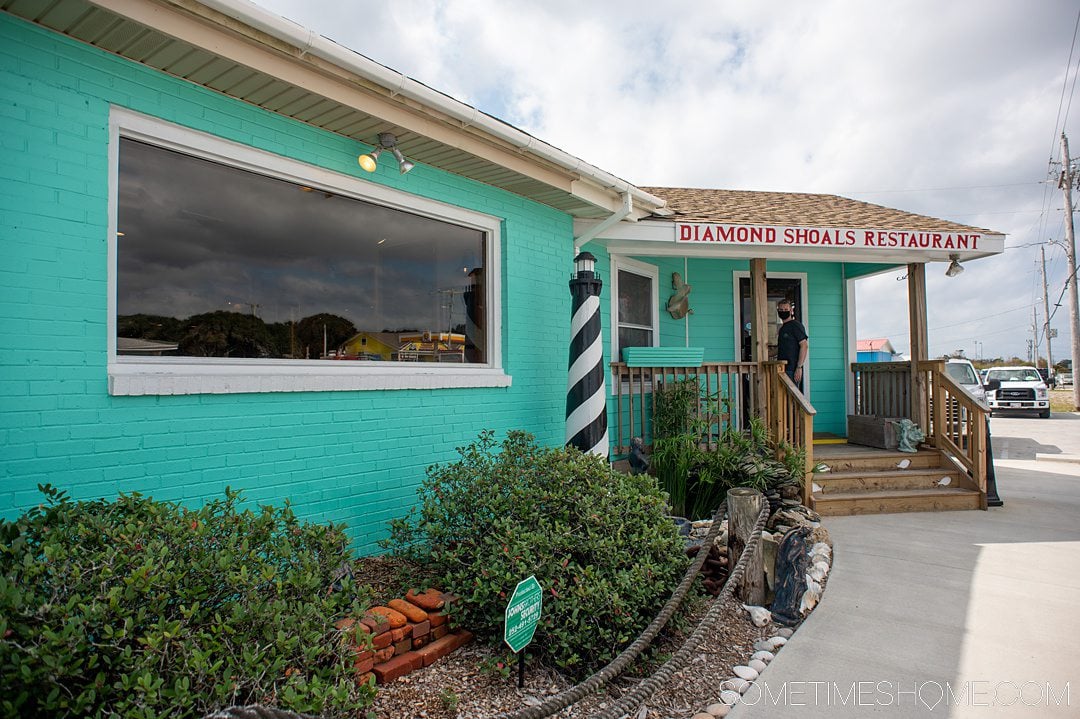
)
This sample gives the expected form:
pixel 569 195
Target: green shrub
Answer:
pixel 141 609
pixel 599 542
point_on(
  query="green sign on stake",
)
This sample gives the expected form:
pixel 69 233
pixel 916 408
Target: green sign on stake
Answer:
pixel 521 617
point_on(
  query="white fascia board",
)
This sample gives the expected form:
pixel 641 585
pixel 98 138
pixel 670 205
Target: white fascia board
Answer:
pixel 658 238
pixel 573 170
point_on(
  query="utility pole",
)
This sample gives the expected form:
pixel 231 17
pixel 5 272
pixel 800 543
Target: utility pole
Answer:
pixel 1046 314
pixel 1070 249
pixel 1035 335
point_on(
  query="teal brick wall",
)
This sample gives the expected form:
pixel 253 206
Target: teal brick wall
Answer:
pixel 353 457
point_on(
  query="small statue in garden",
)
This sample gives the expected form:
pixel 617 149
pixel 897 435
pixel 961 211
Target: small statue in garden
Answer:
pixel 908 436
pixel 792 561
pixel 639 461
pixel 678 305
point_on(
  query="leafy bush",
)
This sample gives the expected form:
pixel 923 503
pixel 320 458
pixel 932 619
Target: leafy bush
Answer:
pixel 599 542
pixel 141 609
pixel 697 479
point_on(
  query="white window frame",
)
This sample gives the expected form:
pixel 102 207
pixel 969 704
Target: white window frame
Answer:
pixel 620 263
pixel 130 375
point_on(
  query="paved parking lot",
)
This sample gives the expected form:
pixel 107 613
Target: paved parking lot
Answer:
pixel 1020 435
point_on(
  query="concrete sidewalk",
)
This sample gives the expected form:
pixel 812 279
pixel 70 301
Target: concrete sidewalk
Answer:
pixel 975 606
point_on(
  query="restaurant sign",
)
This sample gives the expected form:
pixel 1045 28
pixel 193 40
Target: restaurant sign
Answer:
pixel 823 237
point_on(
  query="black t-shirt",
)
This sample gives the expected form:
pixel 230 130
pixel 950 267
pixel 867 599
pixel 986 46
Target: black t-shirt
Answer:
pixel 788 338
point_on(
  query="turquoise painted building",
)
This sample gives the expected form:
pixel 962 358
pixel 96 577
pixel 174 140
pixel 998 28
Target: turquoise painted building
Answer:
pixel 190 244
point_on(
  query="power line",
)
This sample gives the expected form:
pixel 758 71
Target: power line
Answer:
pixel 942 189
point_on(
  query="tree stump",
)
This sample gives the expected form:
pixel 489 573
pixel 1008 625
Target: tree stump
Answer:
pixel 743 507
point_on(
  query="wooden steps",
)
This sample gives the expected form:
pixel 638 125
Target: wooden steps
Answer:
pixel 865 481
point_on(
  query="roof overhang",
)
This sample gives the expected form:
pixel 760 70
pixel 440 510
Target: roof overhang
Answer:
pixel 238 49
pixel 790 242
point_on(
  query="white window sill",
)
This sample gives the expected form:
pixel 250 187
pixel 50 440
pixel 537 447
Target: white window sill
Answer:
pixel 173 378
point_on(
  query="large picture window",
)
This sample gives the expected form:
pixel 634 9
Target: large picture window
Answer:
pixel 221 264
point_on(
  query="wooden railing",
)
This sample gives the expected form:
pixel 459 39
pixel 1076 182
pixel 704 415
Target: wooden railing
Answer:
pixel 634 388
pixel 957 422
pixel 882 389
pixel 790 418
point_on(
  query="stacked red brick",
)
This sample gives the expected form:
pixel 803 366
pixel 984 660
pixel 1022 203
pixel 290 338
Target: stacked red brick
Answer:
pixel 405 635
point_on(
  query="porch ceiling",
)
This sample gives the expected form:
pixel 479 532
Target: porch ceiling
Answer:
pixel 191 40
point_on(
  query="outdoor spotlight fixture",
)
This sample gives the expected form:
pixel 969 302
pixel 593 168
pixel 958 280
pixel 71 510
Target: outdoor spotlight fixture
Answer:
pixel 387 141
pixel 955 267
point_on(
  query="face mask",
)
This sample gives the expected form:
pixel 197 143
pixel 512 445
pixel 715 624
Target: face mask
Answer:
pixel 783 314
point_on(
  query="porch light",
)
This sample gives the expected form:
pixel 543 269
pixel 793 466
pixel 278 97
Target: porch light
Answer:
pixel 387 141
pixel 584 265
pixel 955 267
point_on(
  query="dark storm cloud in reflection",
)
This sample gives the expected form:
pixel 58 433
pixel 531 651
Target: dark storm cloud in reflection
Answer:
pixel 200 237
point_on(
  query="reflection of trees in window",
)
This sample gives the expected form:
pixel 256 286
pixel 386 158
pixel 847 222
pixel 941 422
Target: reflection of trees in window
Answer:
pixel 308 268
pixel 228 334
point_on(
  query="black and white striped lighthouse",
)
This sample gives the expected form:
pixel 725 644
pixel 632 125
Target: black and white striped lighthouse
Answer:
pixel 586 396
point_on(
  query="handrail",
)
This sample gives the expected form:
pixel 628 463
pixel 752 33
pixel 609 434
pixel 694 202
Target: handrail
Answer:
pixel 957 422
pixel 790 419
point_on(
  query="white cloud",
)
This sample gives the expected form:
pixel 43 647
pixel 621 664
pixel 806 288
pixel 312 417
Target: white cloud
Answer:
pixel 835 96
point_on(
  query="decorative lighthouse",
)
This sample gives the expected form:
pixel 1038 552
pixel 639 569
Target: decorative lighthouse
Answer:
pixel 586 396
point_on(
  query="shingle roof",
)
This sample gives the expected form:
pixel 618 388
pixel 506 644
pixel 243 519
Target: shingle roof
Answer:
pixel 795 209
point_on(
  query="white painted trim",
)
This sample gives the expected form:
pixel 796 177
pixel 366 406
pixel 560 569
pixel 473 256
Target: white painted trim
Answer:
pixel 851 341
pixel 737 275
pixel 659 237
pixel 188 375
pixel 619 262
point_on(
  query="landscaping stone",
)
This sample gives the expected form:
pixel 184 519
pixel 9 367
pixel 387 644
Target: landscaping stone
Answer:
pixel 718 710
pixel 421 629
pixel 377 623
pixel 430 601
pixel 395 618
pixel 382 641
pixel 412 612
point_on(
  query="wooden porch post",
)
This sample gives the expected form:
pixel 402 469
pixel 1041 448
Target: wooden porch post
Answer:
pixel 916 277
pixel 759 333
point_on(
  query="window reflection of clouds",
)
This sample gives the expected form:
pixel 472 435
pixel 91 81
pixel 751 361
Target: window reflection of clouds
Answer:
pixel 198 235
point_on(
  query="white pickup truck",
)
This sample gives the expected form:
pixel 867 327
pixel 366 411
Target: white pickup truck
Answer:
pixel 1021 389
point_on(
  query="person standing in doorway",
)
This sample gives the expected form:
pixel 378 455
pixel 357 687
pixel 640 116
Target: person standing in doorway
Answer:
pixel 792 344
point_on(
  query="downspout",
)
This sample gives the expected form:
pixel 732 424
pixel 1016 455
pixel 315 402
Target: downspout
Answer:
pixel 610 221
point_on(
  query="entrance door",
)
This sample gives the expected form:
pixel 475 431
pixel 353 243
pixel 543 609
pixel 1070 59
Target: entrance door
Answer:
pixel 776 289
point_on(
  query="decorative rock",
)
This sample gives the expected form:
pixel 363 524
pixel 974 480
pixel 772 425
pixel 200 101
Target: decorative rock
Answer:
pixel 702 715
pixel 757 665
pixel 763 656
pixel 791 563
pixel 730 697
pixel 821 549
pixel 785 632
pixel 760 616
pixel 735 684
pixel 746 673
pixel 770 645
pixel 718 710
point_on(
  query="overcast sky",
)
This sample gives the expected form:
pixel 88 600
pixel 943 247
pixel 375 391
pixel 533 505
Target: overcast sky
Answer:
pixel 949 109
